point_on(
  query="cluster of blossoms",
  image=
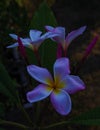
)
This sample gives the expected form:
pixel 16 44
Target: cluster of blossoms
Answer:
pixel 62 83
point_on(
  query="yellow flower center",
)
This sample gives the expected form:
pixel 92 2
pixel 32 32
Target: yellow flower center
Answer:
pixel 56 84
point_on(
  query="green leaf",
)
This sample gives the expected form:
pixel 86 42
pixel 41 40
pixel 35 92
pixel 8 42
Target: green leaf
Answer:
pixel 92 117
pixel 48 54
pixel 7 83
pixel 31 57
pixel 42 17
pixel 5 91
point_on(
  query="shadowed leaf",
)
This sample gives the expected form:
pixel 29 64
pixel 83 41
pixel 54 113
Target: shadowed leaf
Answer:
pixel 8 86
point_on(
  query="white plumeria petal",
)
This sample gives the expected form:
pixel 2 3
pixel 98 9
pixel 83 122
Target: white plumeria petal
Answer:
pixel 39 93
pixel 61 102
pixel 35 34
pixel 37 43
pixel 49 28
pixel 60 31
pixel 73 84
pixel 61 68
pixel 13 45
pixel 40 74
pixel 14 36
pixel 26 40
pixel 72 35
pixel 48 35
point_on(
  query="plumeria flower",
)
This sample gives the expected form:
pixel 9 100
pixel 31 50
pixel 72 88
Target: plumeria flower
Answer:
pixel 34 41
pixel 64 41
pixel 58 87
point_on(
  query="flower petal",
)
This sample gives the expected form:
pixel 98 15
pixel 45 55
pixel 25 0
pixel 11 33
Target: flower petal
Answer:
pixel 35 34
pixel 14 36
pixel 61 102
pixel 61 68
pixel 61 34
pixel 39 93
pixel 73 84
pixel 48 35
pixel 26 40
pixel 60 31
pixel 72 35
pixel 49 28
pixel 40 74
pixel 13 45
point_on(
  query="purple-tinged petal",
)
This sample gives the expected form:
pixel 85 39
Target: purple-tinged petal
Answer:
pixel 72 35
pixel 37 42
pixel 61 68
pixel 49 28
pixel 26 40
pixel 61 34
pixel 39 93
pixel 48 35
pixel 13 45
pixel 73 84
pixel 60 31
pixel 14 36
pixel 35 34
pixel 40 74
pixel 61 102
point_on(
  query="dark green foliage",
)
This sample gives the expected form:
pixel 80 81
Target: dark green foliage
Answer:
pixel 91 117
pixel 7 85
pixel 42 17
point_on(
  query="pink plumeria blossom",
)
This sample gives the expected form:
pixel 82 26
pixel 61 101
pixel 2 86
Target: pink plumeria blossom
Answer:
pixel 34 41
pixel 65 41
pixel 58 87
